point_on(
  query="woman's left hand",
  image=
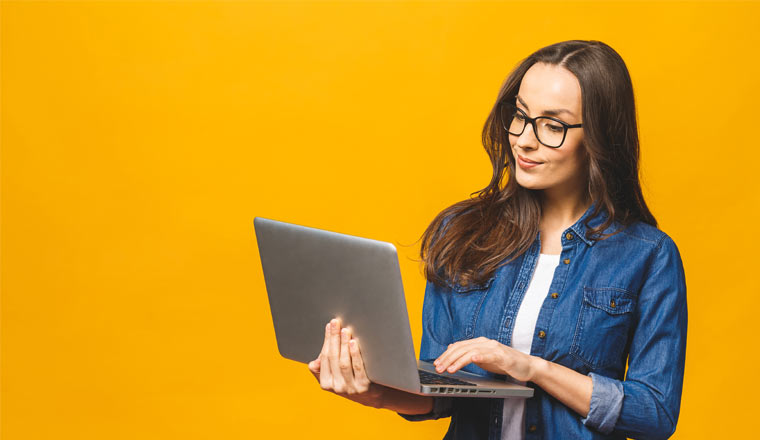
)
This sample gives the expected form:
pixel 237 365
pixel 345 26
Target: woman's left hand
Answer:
pixel 489 355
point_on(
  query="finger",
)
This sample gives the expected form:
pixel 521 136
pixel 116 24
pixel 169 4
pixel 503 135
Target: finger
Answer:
pixel 344 361
pixel 314 366
pixel 339 384
pixel 445 357
pixel 464 359
pixel 314 369
pixel 325 375
pixel 455 351
pixel 451 355
pixel 457 356
pixel 360 375
pixel 326 343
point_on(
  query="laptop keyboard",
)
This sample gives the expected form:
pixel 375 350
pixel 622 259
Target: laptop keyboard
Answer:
pixel 427 378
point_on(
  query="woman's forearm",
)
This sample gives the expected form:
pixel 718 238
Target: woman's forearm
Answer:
pixel 406 403
pixel 566 385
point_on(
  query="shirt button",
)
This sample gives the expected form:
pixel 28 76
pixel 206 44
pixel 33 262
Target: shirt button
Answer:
pixel 569 236
pixel 532 428
pixel 612 304
pixel 555 295
pixel 566 261
pixel 541 334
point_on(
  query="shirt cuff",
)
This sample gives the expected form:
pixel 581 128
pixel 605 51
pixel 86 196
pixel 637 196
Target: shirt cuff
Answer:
pixel 442 407
pixel 606 403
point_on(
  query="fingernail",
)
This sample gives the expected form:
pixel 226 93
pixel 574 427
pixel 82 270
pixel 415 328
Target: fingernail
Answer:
pixel 352 342
pixel 451 369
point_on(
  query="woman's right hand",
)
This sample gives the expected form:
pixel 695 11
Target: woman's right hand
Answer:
pixel 340 368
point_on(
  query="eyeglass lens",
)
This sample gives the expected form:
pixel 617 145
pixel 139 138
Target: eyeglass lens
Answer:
pixel 548 132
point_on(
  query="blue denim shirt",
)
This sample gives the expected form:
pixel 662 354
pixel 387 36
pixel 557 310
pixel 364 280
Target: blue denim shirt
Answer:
pixel 610 301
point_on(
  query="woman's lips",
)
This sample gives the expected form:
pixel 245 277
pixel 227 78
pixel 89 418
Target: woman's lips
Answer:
pixel 527 163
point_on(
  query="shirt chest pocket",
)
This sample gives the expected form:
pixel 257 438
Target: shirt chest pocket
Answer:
pixel 466 304
pixel 601 334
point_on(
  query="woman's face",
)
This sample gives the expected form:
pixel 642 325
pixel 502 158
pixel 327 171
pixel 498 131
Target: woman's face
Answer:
pixel 554 91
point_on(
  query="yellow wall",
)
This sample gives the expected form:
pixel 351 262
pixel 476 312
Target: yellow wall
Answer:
pixel 139 140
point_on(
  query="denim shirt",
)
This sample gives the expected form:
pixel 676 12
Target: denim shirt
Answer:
pixel 619 299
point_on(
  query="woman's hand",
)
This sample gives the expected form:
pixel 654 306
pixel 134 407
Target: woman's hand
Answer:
pixel 489 355
pixel 340 368
pixel 568 386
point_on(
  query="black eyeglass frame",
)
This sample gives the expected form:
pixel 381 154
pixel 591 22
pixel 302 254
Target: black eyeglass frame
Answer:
pixel 532 122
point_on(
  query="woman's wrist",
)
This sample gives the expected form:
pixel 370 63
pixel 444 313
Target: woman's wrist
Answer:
pixel 381 397
pixel 538 369
pixel 566 385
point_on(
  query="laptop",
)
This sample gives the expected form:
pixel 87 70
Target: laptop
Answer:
pixel 314 275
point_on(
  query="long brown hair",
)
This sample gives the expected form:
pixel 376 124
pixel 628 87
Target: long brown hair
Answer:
pixel 469 240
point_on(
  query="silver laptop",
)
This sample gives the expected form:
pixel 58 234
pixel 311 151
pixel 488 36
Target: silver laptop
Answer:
pixel 313 275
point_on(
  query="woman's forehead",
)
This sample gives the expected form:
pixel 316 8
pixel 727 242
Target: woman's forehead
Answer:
pixel 550 87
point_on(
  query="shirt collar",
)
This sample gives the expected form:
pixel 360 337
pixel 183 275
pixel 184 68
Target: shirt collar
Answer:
pixel 580 228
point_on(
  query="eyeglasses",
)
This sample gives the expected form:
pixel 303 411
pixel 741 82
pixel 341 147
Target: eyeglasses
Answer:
pixel 549 131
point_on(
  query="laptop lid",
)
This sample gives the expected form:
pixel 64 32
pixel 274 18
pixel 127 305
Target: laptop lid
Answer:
pixel 314 275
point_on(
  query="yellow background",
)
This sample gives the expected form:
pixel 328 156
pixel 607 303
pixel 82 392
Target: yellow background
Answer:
pixel 139 140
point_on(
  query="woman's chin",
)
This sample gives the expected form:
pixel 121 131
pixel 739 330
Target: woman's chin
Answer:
pixel 529 183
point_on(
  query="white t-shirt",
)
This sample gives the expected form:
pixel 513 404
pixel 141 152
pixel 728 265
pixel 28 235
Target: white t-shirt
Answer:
pixel 513 417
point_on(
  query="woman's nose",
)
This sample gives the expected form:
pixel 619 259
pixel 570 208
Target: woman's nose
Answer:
pixel 527 140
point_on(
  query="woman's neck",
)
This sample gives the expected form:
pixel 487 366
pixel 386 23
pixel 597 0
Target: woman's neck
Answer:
pixel 561 208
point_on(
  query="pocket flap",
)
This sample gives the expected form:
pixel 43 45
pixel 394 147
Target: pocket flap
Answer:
pixel 464 289
pixel 610 299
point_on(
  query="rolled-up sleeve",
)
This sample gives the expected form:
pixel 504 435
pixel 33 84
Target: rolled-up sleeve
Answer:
pixel 436 336
pixel 606 403
pixel 647 403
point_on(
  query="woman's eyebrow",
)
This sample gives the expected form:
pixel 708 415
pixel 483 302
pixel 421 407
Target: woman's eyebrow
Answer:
pixel 550 112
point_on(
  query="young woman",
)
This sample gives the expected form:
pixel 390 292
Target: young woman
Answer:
pixel 555 275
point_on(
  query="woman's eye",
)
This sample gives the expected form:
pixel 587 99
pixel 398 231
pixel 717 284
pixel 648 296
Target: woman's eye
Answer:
pixel 555 128
pixel 519 116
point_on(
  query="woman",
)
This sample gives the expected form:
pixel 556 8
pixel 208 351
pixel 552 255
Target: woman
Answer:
pixel 555 275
